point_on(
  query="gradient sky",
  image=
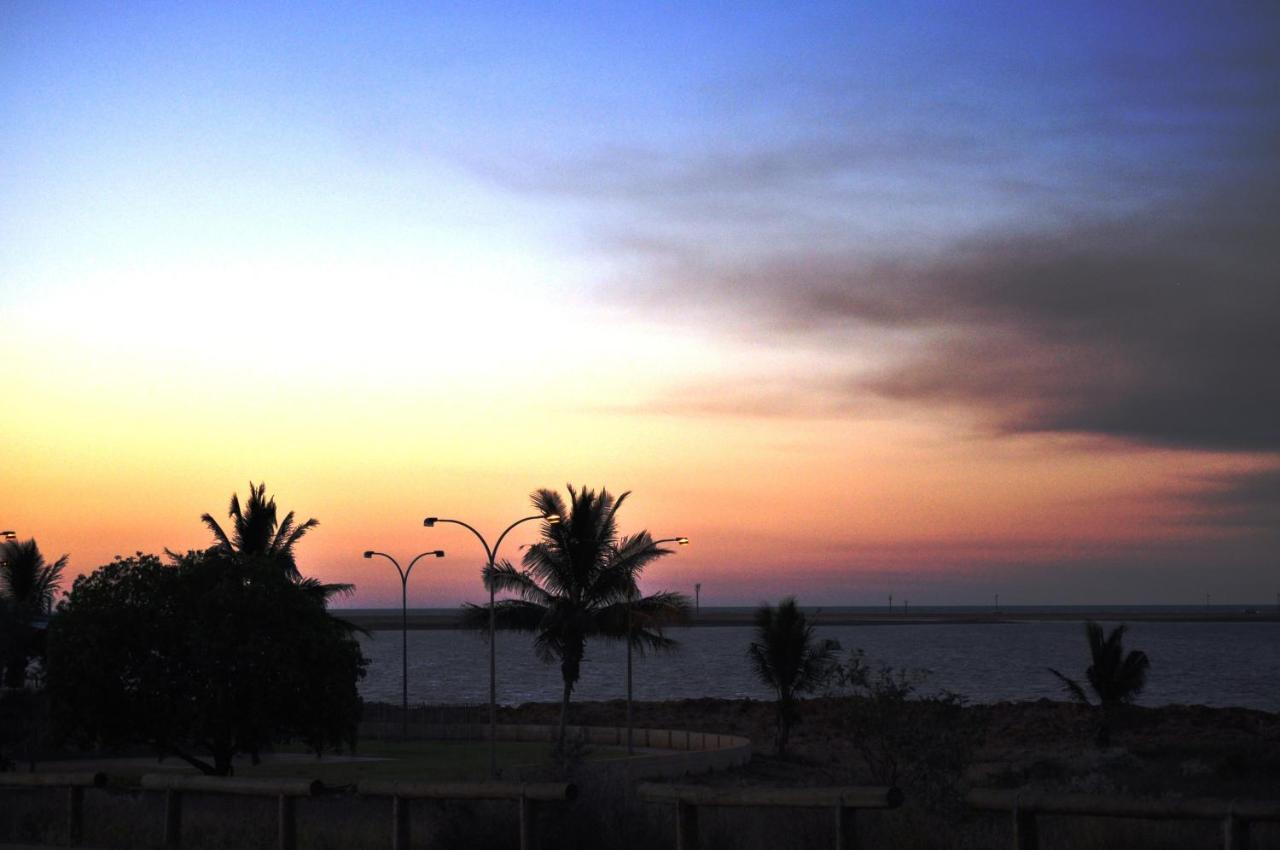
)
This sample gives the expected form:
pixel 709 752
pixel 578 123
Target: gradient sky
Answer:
pixel 934 300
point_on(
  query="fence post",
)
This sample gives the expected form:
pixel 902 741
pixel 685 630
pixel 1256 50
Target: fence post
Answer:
pixel 1025 834
pixel 846 828
pixel 75 815
pixel 399 823
pixel 526 823
pixel 686 826
pixel 172 818
pixel 287 838
pixel 1235 833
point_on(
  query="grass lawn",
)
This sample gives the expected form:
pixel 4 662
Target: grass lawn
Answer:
pixel 419 760
pixel 424 760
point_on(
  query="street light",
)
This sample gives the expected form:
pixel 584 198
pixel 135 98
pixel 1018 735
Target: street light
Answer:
pixel 8 535
pixel 404 630
pixel 492 555
pixel 680 541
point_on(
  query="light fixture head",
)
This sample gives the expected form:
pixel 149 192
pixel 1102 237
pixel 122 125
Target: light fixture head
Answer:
pixel 682 541
pixel 430 521
pixel 369 554
pixel 439 553
pixel 553 519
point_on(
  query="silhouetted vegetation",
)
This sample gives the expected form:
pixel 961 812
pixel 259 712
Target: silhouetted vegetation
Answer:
pixel 1116 677
pixel 255 532
pixel 921 743
pixel 27 587
pixel 788 658
pixel 215 653
pixel 201 659
pixel 578 582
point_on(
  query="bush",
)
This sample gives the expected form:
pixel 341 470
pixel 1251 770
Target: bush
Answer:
pixel 921 744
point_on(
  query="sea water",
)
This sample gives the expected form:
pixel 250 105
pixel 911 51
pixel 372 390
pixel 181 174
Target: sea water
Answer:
pixel 1206 663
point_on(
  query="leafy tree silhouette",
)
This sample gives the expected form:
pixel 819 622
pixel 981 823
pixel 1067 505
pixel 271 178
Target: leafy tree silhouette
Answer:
pixel 1116 677
pixel 578 582
pixel 788 658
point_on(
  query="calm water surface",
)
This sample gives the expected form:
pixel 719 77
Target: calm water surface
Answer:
pixel 1220 664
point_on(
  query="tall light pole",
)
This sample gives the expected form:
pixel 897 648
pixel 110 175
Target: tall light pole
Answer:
pixel 492 554
pixel 404 630
pixel 681 541
pixel 697 593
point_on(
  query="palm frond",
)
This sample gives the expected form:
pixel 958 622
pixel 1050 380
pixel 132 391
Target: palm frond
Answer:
pixel 1072 687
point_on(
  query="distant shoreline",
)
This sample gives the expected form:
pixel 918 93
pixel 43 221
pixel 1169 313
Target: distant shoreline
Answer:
pixel 390 618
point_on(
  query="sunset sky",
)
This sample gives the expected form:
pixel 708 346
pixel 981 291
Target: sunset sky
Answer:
pixel 934 300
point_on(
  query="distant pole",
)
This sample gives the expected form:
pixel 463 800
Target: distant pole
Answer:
pixel 697 599
pixel 890 603
pixel 905 603
pixel 1206 602
pixel 492 555
pixel 997 603
pixel 404 631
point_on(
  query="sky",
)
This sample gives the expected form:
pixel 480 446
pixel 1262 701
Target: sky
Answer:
pixel 937 300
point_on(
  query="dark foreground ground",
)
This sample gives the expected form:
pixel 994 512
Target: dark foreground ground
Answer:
pixel 1164 752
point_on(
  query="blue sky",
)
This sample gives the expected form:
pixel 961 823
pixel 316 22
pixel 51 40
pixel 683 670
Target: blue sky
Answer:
pixel 879 240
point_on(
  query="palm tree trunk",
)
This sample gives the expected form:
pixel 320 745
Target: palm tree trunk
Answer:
pixel 783 723
pixel 564 713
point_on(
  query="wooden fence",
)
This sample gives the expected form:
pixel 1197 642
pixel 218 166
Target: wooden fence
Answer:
pixel 1235 815
pixel 844 803
pixel 286 791
pixel 526 795
pixel 74 785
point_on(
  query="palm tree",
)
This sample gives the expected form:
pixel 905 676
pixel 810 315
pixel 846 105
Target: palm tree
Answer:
pixel 788 658
pixel 27 587
pixel 1115 676
pixel 578 582
pixel 255 531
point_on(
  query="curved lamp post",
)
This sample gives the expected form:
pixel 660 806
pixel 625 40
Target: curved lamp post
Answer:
pixel 681 541
pixel 404 630
pixel 492 554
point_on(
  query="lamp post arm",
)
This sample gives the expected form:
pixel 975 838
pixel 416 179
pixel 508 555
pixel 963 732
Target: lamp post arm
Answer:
pixel 487 551
pixel 494 554
pixel 404 574
pixel 435 552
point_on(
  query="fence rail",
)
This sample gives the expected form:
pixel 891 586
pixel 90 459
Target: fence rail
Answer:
pixel 526 795
pixel 1024 806
pixel 74 783
pixel 286 791
pixel 844 802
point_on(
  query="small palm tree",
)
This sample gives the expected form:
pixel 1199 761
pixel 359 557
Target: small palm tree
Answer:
pixel 255 531
pixel 27 586
pixel 788 658
pixel 1115 676
pixel 578 582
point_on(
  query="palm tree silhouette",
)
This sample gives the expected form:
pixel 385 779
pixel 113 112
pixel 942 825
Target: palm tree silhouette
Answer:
pixel 1116 677
pixel 27 587
pixel 578 582
pixel 255 531
pixel 788 658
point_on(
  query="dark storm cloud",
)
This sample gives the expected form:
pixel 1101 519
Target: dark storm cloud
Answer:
pixel 1161 329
